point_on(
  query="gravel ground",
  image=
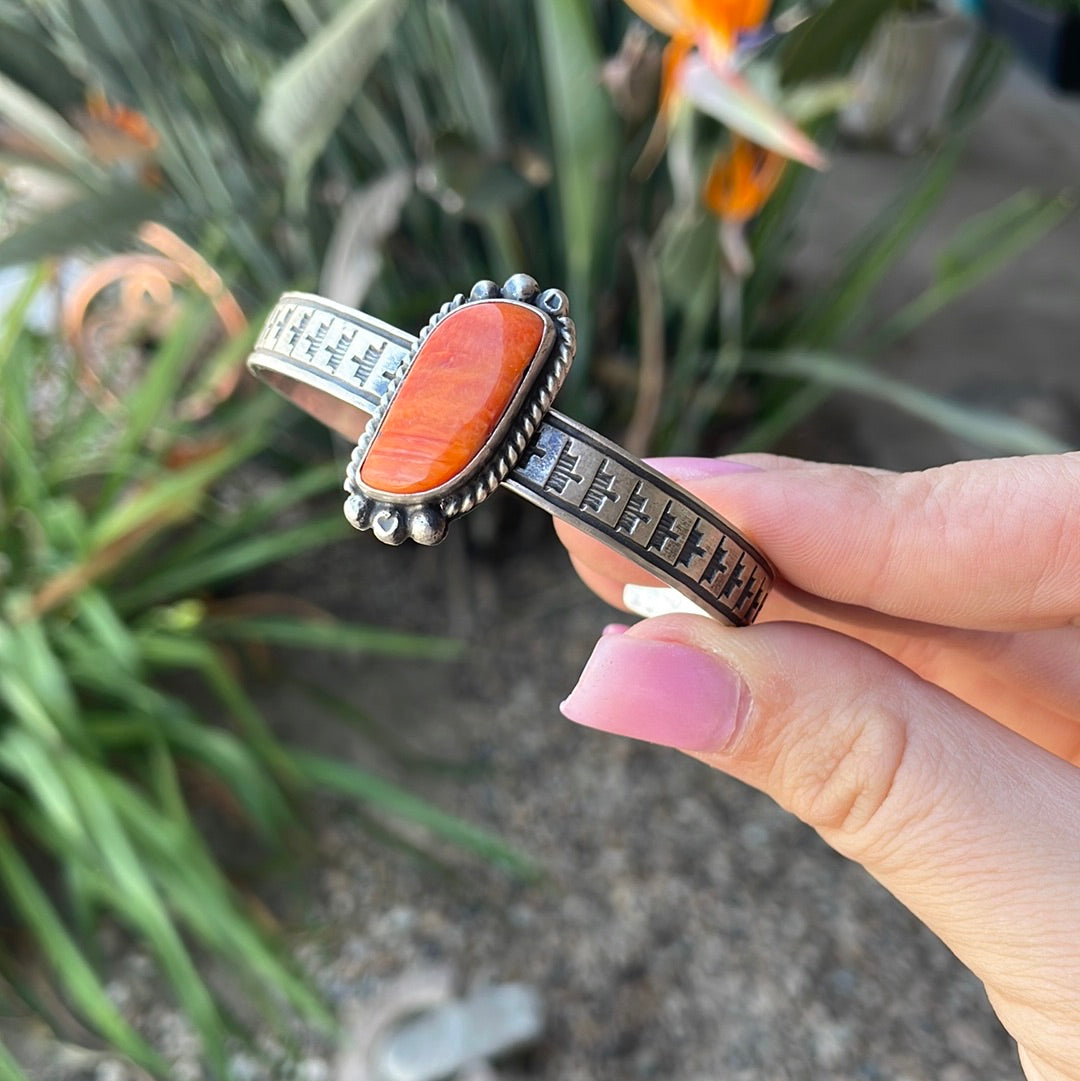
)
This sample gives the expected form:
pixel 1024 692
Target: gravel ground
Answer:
pixel 684 928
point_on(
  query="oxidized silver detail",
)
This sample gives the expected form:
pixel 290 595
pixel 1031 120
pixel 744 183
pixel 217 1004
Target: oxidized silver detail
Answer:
pixel 341 365
pixel 392 519
pixel 329 359
pixel 593 483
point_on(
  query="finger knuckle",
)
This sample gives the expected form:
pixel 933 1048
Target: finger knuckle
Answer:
pixel 847 782
pixel 1029 533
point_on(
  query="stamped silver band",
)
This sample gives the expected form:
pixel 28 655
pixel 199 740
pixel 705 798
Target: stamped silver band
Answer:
pixel 338 364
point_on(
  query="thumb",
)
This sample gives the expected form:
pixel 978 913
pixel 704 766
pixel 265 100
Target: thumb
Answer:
pixel 970 826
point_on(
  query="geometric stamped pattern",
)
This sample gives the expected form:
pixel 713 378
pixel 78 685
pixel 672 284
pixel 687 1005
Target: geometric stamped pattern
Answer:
pixel 567 469
pixel 584 478
pixel 360 354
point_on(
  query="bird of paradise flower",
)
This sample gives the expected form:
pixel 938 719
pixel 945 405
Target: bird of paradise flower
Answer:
pixel 703 67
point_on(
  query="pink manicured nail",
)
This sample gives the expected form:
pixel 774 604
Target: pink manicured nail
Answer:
pixel 613 629
pixel 699 468
pixel 662 692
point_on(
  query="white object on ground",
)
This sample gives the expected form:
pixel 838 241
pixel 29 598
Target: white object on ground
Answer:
pixel 651 601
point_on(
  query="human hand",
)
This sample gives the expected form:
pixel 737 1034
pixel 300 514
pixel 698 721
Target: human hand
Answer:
pixel 912 691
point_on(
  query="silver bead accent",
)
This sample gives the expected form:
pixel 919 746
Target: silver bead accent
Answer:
pixel 484 290
pixel 389 526
pixel 427 525
pixel 554 302
pixel 357 511
pixel 520 287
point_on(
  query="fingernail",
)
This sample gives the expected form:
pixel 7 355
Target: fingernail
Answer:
pixel 699 468
pixel 613 629
pixel 662 692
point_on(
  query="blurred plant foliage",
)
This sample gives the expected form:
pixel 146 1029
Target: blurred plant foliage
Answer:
pixel 398 152
pixel 113 536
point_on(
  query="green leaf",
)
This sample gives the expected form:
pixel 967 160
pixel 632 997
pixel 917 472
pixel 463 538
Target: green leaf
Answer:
pixel 254 516
pixel 9 1068
pixel 985 65
pixel 995 431
pixel 20 699
pixel 163 779
pixel 828 42
pixel 348 780
pixel 980 247
pixel 186 138
pixel 387 736
pixel 17 363
pixel 221 752
pixel 27 58
pixel 839 312
pixel 834 314
pixel 770 238
pixel 39 664
pixel 13 321
pixel 584 133
pixel 114 29
pixel 135 898
pixel 203 898
pixel 308 95
pixel 26 756
pixel 306 14
pixel 153 396
pixel 237 766
pixel 91 668
pixel 45 128
pixel 177 651
pixel 222 25
pixel 471 94
pixel 331 634
pixel 229 562
pixel 95 219
pixel 173 497
pixel 100 619
pixel 812 102
pixel 70 965
pixel 185 870
pixel 34 684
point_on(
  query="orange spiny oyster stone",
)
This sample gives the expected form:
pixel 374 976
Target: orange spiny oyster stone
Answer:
pixel 462 380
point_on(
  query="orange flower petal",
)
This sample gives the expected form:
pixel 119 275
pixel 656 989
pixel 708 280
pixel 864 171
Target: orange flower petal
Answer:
pixel 720 22
pixel 740 183
pixel 668 16
pixel 119 118
pixel 675 53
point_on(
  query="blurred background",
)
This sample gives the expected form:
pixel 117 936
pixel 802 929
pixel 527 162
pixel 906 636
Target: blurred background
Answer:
pixel 269 790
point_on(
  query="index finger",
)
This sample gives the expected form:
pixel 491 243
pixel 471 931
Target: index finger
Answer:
pixel 991 545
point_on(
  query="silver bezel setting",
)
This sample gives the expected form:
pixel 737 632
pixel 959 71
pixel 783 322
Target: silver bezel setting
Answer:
pixel 392 518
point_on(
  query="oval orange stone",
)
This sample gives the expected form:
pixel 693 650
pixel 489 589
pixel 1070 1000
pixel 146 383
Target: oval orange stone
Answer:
pixel 463 379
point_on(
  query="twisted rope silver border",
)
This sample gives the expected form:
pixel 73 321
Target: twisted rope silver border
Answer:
pixel 425 521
